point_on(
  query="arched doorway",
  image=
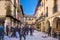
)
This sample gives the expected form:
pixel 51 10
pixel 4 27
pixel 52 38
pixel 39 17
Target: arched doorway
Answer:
pixel 48 23
pixel 38 26
pixel 42 26
pixel 56 24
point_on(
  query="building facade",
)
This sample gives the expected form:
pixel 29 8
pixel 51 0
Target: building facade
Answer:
pixel 10 12
pixel 50 11
pixel 29 19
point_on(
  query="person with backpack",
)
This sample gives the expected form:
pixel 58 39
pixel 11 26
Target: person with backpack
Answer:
pixel 22 33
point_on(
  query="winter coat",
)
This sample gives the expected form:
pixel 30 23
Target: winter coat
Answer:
pixel 1 31
pixel 22 32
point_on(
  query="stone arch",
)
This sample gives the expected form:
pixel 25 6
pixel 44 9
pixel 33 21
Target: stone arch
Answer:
pixel 48 22
pixel 56 23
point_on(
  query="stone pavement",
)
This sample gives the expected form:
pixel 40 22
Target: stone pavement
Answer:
pixel 36 36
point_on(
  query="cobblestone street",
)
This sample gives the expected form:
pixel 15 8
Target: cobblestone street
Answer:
pixel 36 36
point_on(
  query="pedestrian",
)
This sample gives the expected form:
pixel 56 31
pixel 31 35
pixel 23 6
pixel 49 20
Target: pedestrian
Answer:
pixel 17 31
pixel 31 30
pixel 27 29
pixel 49 31
pixel 24 29
pixel 1 32
pixel 22 34
pixel 13 32
pixel 7 30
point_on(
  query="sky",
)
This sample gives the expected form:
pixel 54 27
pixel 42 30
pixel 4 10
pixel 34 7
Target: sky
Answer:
pixel 29 6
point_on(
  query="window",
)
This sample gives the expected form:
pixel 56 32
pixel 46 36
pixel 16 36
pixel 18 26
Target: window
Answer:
pixel 55 6
pixel 58 23
pixel 46 11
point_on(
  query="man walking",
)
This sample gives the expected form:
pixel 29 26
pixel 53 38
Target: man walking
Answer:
pixel 7 29
pixel 22 33
pixel 27 29
pixel 13 31
pixel 49 31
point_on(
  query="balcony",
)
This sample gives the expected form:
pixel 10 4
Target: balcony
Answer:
pixel 41 17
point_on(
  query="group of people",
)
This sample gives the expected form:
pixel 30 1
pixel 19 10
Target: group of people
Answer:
pixel 22 30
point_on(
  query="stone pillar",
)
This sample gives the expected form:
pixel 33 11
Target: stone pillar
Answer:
pixel 42 26
pixel 8 23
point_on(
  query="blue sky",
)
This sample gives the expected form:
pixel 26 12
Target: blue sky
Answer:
pixel 29 6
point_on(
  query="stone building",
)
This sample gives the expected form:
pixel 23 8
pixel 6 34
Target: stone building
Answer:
pixel 28 19
pixel 50 15
pixel 10 12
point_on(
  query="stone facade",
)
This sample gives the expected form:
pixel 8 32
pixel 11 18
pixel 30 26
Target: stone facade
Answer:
pixel 10 12
pixel 50 10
